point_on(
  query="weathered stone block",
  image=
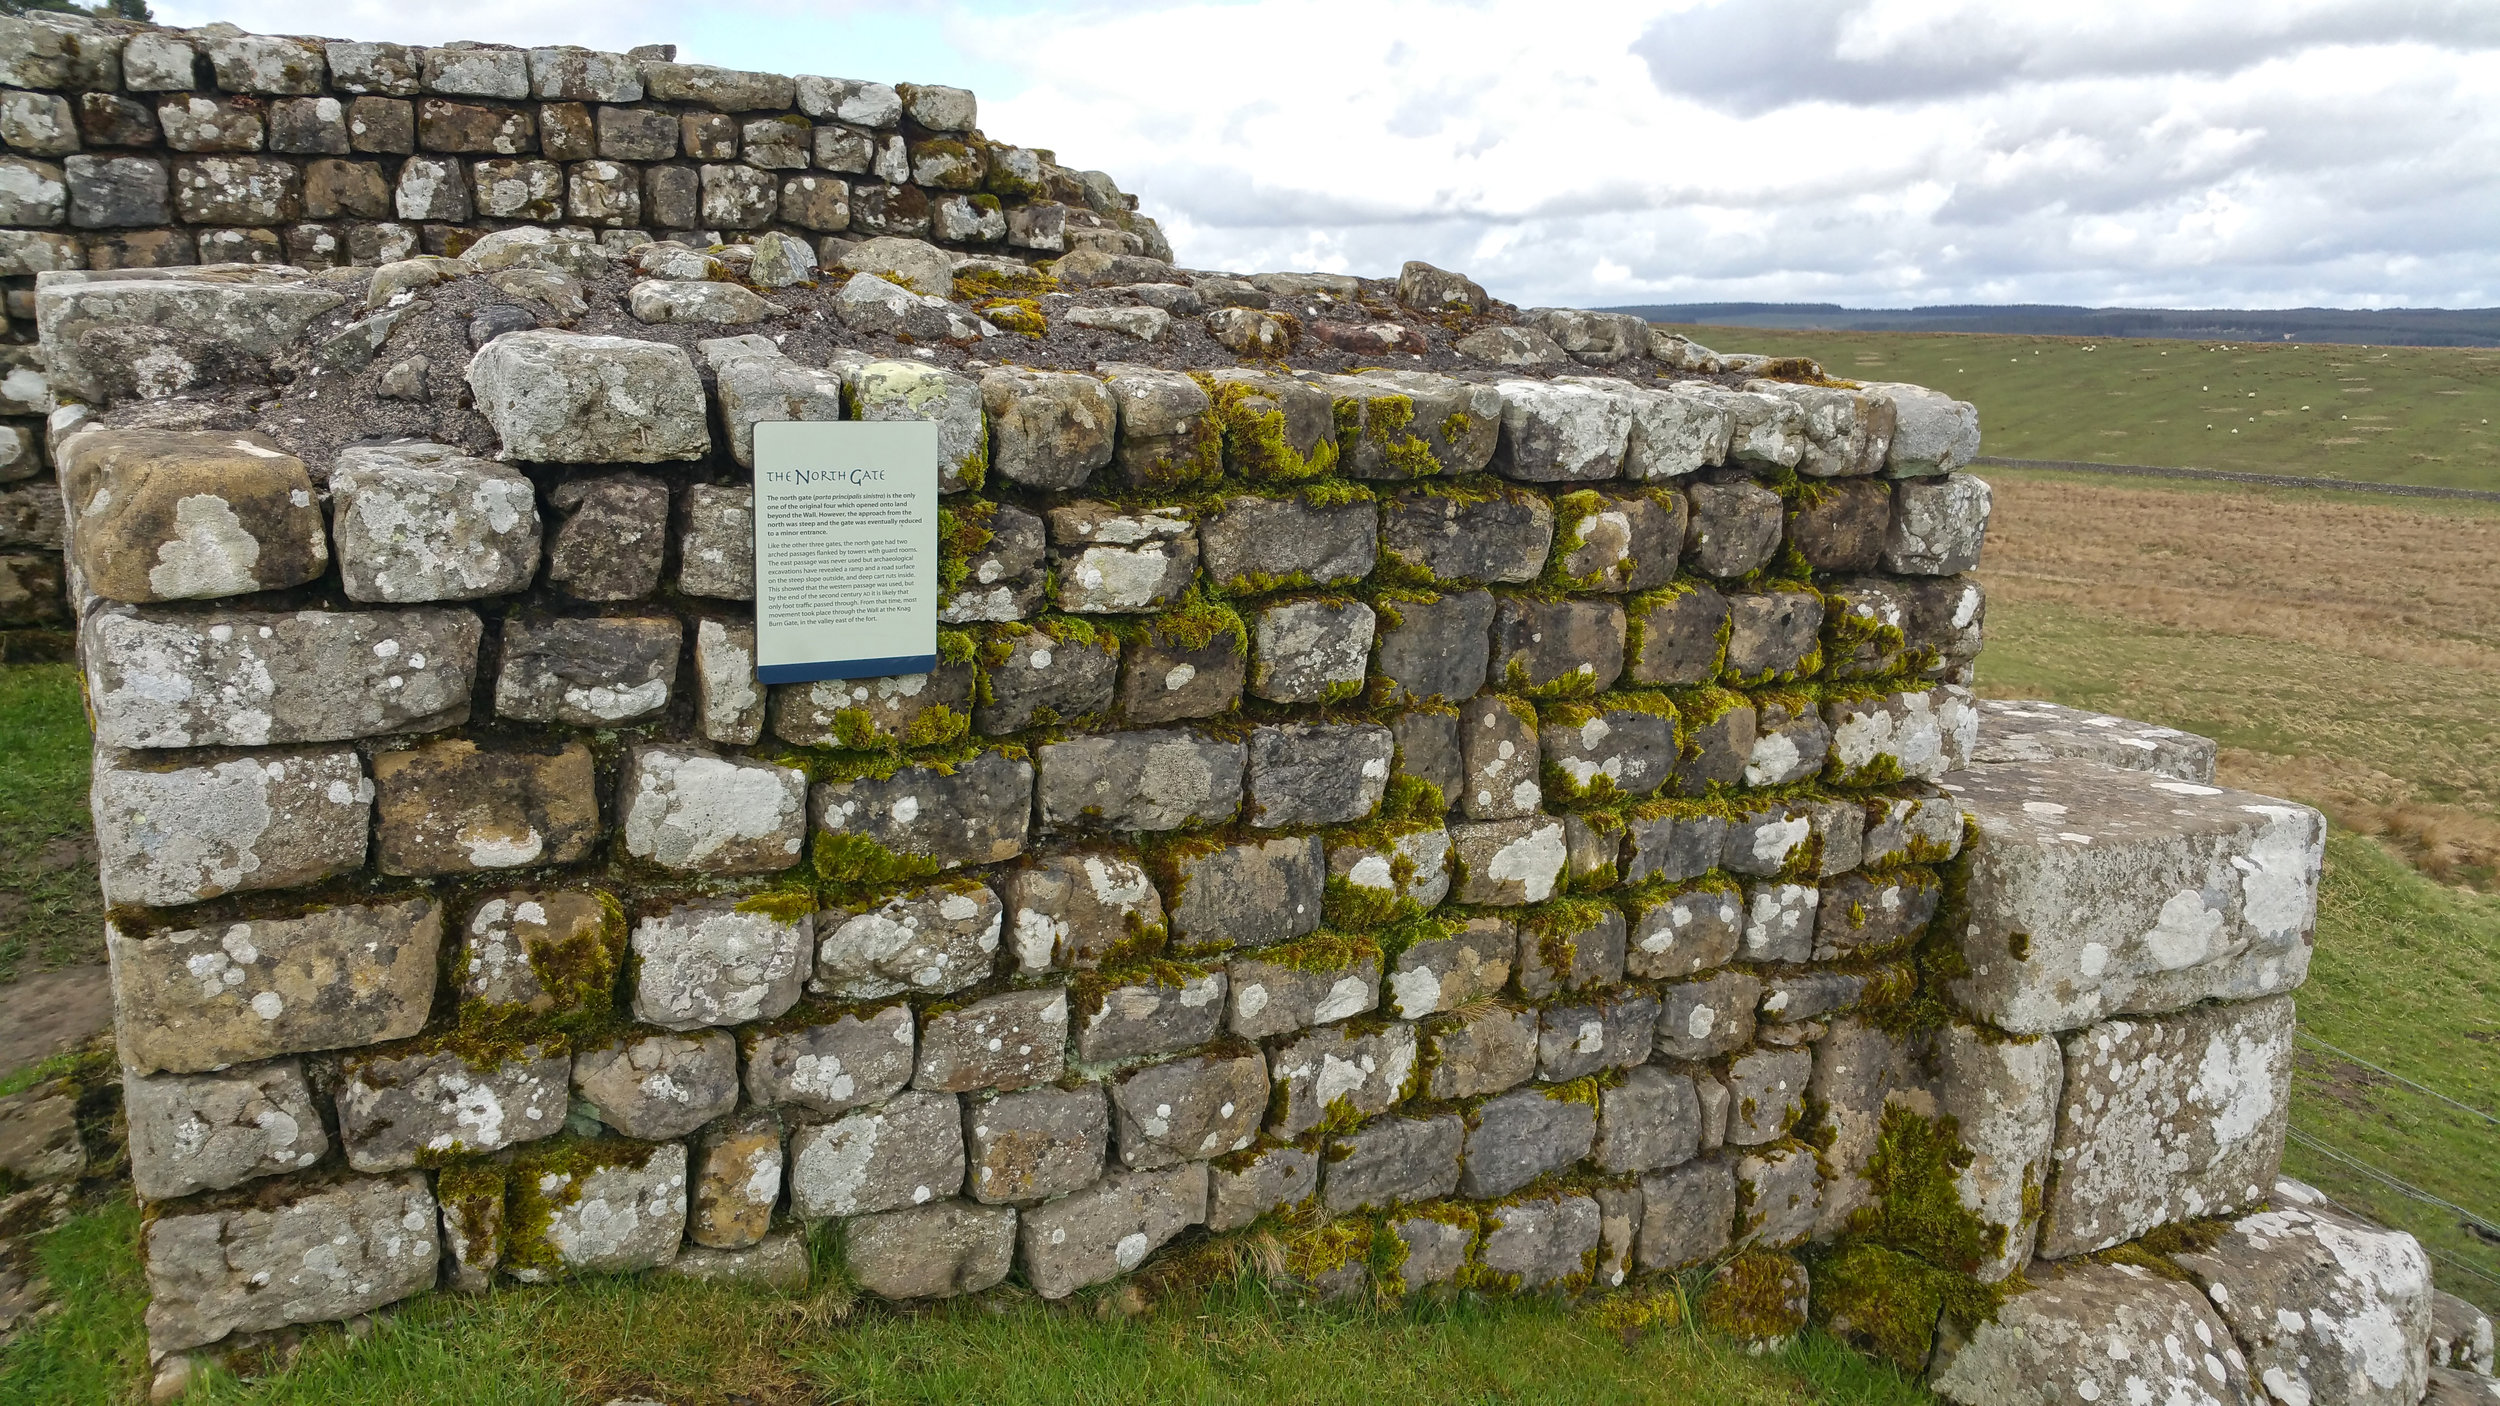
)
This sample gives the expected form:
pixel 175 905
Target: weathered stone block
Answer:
pixel 716 552
pixel 934 1251
pixel 1920 829
pixel 1317 774
pixel 737 1182
pixel 655 1087
pixel 1671 844
pixel 1259 544
pixel 422 522
pixel 1791 743
pixel 207 1132
pixel 1247 895
pixel 1781 1191
pixel 1612 1032
pixel 1433 648
pixel 105 192
pixel 1156 780
pixel 1482 1053
pixel 1540 1242
pixel 1705 1019
pixel 1293 987
pixel 2036 731
pixel 1859 913
pixel 542 950
pixel 842 1062
pixel 1505 863
pixel 1571 947
pixel 1071 909
pixel 1685 933
pixel 2003 1096
pixel 1152 1014
pixel 1498 744
pixel 1369 1069
pixel 1010 1041
pixel 1519 1136
pixel 1036 1144
pixel 1603 752
pixel 271 820
pixel 1114 562
pixel 1649 1121
pixel 1779 922
pixel 565 397
pixel 1920 735
pixel 1003 575
pixel 247 679
pixel 1561 432
pixel 969 813
pixel 1393 1160
pixel 1410 424
pixel 1310 651
pixel 907 1152
pixel 590 672
pixel 1482 537
pixel 2325 1305
pixel 405 1110
pixel 1437 974
pixel 1557 648
pixel 933 940
pixel 447 808
pixel 2130 893
pixel 189 515
pixel 1932 432
pixel 1049 429
pixel 2161 1120
pixel 900 390
pixel 346 1249
pixel 1109 1228
pixel 1938 526
pixel 1189 1109
pixel 1618 542
pixel 1769 1087
pixel 1773 636
pixel 1735 527
pixel 1039 677
pixel 1410 864
pixel 1428 750
pixel 729 702
pixel 1243 1187
pixel 913 709
pixel 2118 1328
pixel 705 963
pixel 594 1208
pixel 1841 526
pixel 1688 1214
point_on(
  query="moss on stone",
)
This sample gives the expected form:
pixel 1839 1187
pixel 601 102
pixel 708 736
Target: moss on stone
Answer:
pixel 546 1178
pixel 1748 1297
pixel 1888 1303
pixel 1022 316
pixel 1253 429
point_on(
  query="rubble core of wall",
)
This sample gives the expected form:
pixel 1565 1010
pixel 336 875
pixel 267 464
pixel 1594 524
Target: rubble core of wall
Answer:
pixel 1485 797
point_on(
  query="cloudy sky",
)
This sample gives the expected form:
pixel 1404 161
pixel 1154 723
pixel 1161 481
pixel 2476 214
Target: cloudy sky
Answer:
pixel 2204 153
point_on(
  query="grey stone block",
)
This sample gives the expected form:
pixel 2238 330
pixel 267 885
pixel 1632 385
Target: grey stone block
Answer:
pixel 716 552
pixel 197 999
pixel 613 533
pixel 1540 1242
pixel 737 1174
pixel 207 1132
pixel 874 713
pixel 1035 678
pixel 1002 576
pixel 1150 1015
pixel 1847 432
pixel 1069 910
pixel 181 515
pixel 778 1264
pixel 1409 424
pixel 1370 1069
pixel 1169 437
pixel 656 1087
pixel 1773 635
pixel 1390 1161
pixel 566 397
pixel 401 1111
pixel 1779 922
pixel 542 950
pixel 1317 773
pixel 1557 648
pixel 1932 432
pixel 597 672
pixel 181 835
pixel 1481 1053
pixel 686 809
pixel 422 522
pixel 1920 735
pixel 1781 1192
pixel 1035 1144
pixel 1436 1249
pixel 933 940
pixel 1612 1032
pixel 1871 615
pixel 1685 933
pixel 1444 973
pixel 125 336
pixel 1009 1041
pixel 346 1249
pixel 910 390
pixel 2003 1094
pixel 2109 1325
pixel 1688 1214
pixel 967 813
pixel 1109 1228
pixel 1410 864
pixel 249 679
pixel 1150 780
pixel 1734 528
pixel 753 382
pixel 1769 1087
pixel 1048 429
pixel 934 1251
pixel 604 1208
pixel 846 1060
pixel 1310 651
pixel 1650 1121
pixel 1704 1019
pixel 1671 845
pixel 2361 1295
pixel 1261 544
pixel 1858 913
pixel 1618 542
pixel 1499 759
pixel 1938 525
pixel 1169 678
pixel 1470 539
pixel 1433 648
pixel 1860 1072
pixel 1841 527
pixel 2167 1118
pixel 1505 863
pixel 2038 731
pixel 1428 750
pixel 906 1152
pixel 729 702
pixel 1717 746
pixel 1189 1109
pixel 1246 895
pixel 1918 829
pixel 705 963
pixel 1519 1136
pixel 1293 987
pixel 1247 1185
pixel 1561 431
pixel 1788 745
pixel 2135 893
pixel 1574 948
pixel 1607 752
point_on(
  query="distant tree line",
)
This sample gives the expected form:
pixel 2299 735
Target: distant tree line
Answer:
pixel 2383 327
pixel 103 9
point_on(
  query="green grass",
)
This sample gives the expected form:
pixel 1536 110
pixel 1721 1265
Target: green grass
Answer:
pixel 696 1345
pixel 2418 415
pixel 50 912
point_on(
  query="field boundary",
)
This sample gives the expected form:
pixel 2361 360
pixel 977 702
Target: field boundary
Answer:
pixel 2340 485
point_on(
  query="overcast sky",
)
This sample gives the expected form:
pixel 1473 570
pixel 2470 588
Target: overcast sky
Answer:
pixel 2198 153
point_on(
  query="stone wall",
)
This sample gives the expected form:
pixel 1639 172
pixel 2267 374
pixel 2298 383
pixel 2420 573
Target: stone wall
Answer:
pixel 1455 796
pixel 129 146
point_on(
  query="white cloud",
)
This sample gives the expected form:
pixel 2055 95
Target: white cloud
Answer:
pixel 1865 151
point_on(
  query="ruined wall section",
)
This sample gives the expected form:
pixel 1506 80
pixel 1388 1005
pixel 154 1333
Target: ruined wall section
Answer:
pixel 130 146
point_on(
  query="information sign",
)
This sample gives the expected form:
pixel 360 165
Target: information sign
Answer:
pixel 846 519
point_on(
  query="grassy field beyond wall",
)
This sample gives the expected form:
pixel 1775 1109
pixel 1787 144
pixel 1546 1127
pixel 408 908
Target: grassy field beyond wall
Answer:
pixel 2421 415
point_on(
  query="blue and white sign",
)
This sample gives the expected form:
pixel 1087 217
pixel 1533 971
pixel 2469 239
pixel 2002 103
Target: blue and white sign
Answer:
pixel 846 550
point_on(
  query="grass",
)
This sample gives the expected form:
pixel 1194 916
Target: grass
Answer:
pixel 2346 653
pixel 51 914
pixel 698 1345
pixel 2418 415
